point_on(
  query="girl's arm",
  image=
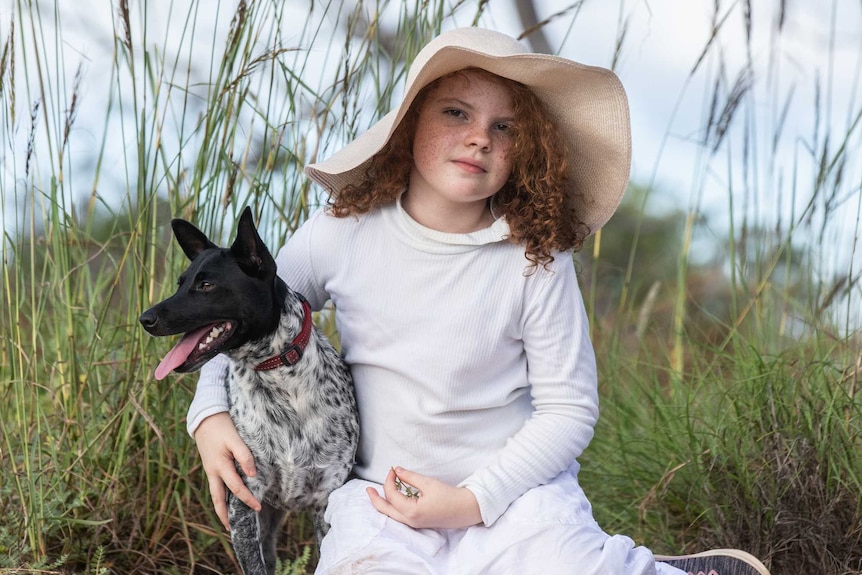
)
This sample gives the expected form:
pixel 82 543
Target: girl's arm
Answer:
pixel 564 391
pixel 210 395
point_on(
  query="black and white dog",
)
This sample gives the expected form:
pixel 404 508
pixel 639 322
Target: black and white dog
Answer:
pixel 291 395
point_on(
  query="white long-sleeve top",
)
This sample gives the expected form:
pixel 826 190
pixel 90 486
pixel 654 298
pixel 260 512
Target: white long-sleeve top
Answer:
pixel 466 367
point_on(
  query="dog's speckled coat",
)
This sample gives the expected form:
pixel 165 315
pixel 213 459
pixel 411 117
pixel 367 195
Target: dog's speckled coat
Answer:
pixel 300 422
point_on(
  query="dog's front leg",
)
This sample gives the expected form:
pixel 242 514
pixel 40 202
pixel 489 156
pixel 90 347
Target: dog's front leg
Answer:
pixel 269 520
pixel 245 534
pixel 321 527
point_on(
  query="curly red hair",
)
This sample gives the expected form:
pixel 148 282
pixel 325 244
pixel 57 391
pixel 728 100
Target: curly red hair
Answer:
pixel 534 199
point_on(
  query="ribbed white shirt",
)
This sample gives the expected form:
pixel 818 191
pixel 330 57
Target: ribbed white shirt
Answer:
pixel 467 367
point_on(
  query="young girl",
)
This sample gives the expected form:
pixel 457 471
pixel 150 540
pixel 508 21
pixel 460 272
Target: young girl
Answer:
pixel 446 251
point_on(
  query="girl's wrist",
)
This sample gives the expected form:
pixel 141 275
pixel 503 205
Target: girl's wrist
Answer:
pixel 470 507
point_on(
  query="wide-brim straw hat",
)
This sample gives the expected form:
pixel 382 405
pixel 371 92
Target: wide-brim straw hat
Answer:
pixel 587 103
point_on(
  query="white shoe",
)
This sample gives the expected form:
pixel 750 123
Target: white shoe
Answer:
pixel 717 562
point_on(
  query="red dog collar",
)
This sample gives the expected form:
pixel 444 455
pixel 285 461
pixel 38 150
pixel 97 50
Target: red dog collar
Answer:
pixel 294 351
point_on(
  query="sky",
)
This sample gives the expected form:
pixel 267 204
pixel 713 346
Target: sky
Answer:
pixel 804 85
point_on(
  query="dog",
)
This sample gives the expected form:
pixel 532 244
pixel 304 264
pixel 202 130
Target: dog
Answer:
pixel 290 392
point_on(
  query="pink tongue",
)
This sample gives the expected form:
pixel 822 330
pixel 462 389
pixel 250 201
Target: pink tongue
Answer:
pixel 180 353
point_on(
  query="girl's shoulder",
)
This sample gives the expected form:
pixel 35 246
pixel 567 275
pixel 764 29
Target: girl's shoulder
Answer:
pixel 560 268
pixel 324 234
pixel 324 213
pixel 322 220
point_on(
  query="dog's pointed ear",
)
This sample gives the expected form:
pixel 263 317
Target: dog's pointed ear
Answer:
pixel 250 251
pixel 192 240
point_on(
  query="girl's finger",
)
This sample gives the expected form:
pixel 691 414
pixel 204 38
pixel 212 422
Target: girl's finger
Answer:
pixel 390 487
pixel 409 476
pixel 219 498
pixel 236 485
pixel 410 484
pixel 242 454
pixel 383 506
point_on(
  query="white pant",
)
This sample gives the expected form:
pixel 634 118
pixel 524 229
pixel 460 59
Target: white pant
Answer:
pixel 548 530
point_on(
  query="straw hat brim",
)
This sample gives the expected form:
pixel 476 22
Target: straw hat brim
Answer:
pixel 587 103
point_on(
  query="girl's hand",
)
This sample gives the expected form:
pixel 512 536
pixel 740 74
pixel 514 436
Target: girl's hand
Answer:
pixel 219 446
pixel 437 505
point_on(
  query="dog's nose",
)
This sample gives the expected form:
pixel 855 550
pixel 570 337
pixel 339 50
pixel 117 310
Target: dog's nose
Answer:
pixel 148 319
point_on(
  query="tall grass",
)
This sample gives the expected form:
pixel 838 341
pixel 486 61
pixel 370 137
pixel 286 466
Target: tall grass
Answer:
pixel 730 414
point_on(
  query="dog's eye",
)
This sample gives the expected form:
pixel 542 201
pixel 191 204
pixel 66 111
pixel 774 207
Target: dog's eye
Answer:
pixel 205 286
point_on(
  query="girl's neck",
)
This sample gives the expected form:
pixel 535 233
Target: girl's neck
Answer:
pixel 448 218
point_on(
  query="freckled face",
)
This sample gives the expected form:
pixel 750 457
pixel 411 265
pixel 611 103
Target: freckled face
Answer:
pixel 462 143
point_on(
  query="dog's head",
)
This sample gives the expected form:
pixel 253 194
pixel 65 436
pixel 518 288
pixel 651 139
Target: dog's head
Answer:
pixel 225 298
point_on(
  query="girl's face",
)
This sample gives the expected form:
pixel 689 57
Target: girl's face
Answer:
pixel 462 143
